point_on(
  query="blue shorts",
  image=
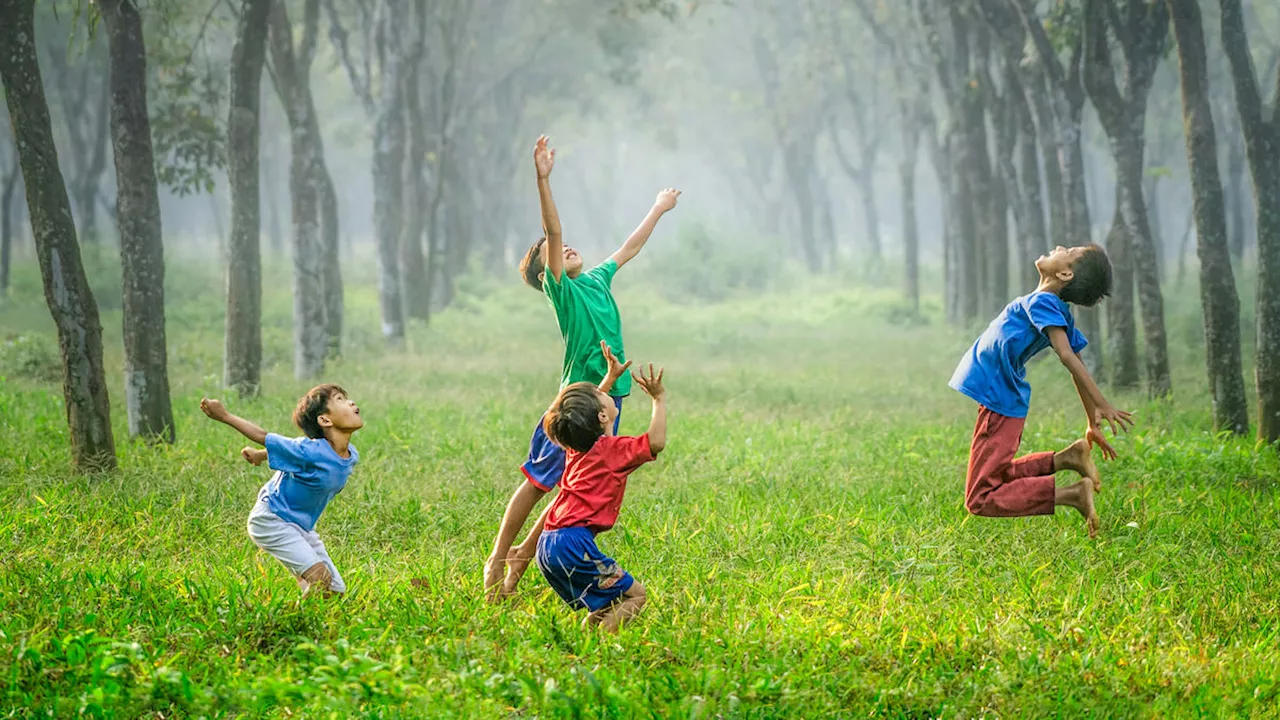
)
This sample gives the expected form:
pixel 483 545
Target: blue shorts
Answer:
pixel 545 465
pixel 580 574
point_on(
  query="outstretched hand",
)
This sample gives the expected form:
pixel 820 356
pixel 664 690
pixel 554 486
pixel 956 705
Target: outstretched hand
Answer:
pixel 651 384
pixel 616 369
pixel 253 456
pixel 214 409
pixel 544 157
pixel 1097 439
pixel 1119 420
pixel 667 199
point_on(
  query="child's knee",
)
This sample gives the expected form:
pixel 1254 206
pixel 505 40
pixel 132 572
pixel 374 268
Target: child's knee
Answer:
pixel 636 594
pixel 976 504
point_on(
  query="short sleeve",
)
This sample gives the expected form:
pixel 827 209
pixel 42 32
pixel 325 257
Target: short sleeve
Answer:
pixel 557 291
pixel 1078 341
pixel 1047 310
pixel 604 272
pixel 286 454
pixel 628 453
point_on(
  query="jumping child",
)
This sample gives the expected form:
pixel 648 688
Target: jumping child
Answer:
pixel 309 472
pixel 587 316
pixel 582 421
pixel 993 373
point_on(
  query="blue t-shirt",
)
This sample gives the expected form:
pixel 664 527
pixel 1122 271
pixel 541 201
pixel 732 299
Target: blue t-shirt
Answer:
pixel 994 371
pixel 310 473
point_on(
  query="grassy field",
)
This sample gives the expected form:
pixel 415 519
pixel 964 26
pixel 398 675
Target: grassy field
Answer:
pixel 803 538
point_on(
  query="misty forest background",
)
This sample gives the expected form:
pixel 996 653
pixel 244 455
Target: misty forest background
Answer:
pixel 244 197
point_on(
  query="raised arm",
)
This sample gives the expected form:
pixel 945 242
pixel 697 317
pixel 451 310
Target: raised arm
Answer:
pixel 215 410
pixel 1096 406
pixel 544 158
pixel 665 202
pixel 652 384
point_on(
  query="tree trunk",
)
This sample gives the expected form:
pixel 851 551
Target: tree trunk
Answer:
pixel 417 300
pixel 244 259
pixel 1046 134
pixel 66 289
pixel 1262 143
pixel 87 186
pixel 293 84
pixel 388 160
pixel 1122 345
pixel 1033 233
pixel 334 290
pixel 146 374
pixel 1234 195
pixel 11 178
pixel 910 225
pixel 797 163
pixel 1217 283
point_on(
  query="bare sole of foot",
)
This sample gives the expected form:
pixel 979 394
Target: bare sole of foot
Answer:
pixel 1086 507
pixel 1079 457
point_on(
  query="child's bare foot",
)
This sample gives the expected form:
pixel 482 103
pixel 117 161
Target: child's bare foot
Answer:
pixel 1078 456
pixel 517 563
pixel 1080 497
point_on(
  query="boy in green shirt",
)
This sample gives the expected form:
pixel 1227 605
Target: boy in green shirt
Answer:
pixel 591 327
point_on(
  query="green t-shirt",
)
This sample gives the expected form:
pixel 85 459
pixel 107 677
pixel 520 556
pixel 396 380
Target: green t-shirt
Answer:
pixel 587 314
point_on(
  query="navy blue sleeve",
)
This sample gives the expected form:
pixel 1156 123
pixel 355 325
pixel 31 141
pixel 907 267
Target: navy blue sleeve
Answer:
pixel 286 454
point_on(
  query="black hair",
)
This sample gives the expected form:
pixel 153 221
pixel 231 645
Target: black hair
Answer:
pixel 1091 278
pixel 573 422
pixel 314 404
pixel 531 266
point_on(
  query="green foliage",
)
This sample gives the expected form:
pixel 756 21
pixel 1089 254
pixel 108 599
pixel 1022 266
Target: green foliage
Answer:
pixel 802 538
pixel 190 142
pixel 34 357
pixel 708 264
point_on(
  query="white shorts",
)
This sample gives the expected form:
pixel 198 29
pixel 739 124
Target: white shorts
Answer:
pixel 295 548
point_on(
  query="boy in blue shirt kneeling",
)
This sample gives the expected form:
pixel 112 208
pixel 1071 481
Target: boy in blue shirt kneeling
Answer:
pixel 309 472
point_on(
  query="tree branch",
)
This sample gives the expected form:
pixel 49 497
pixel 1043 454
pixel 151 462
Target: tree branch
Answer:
pixel 213 7
pixel 853 171
pixel 339 37
pixel 1099 73
pixel 1236 45
pixel 310 29
pixel 1044 49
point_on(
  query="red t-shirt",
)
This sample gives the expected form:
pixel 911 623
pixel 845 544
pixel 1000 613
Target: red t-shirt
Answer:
pixel 594 482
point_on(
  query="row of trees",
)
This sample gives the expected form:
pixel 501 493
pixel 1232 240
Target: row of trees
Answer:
pixel 439 81
pixel 996 95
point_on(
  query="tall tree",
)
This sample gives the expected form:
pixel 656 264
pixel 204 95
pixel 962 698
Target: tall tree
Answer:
pixel 1217 283
pixel 1141 33
pixel 1261 127
pixel 244 256
pixel 9 180
pixel 387 112
pixel 66 289
pixel 413 269
pixel 86 129
pixel 291 74
pixel 146 373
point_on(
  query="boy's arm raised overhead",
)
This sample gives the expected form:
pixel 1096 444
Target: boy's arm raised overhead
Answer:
pixel 652 384
pixel 216 411
pixel 544 158
pixel 666 201
pixel 1096 406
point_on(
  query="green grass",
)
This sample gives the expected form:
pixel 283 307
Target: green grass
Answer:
pixel 802 539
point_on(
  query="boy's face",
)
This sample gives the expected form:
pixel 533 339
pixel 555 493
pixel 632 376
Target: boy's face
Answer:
pixel 572 260
pixel 1058 263
pixel 343 414
pixel 608 411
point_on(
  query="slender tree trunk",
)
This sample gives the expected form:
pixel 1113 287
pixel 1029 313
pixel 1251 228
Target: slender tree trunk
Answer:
pixel 146 373
pixel 1235 194
pixel 1122 345
pixel 797 165
pixel 66 289
pixel 1262 143
pixel 412 259
pixel 310 336
pixel 12 176
pixel 388 160
pixel 1217 283
pixel 87 187
pixel 1031 230
pixel 330 236
pixel 244 258
pixel 910 224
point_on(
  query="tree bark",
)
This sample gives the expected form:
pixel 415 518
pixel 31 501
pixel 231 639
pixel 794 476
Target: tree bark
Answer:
pixel 1262 144
pixel 388 159
pixel 87 186
pixel 910 224
pixel 244 260
pixel 1217 283
pixel 417 301
pixel 1122 344
pixel 1032 231
pixel 7 192
pixel 330 235
pixel 66 289
pixel 293 84
pixel 146 374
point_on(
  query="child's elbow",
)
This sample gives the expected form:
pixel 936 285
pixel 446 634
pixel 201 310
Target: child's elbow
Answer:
pixel 657 446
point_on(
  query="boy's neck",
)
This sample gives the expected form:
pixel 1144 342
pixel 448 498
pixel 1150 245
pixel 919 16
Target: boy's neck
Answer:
pixel 339 440
pixel 1050 284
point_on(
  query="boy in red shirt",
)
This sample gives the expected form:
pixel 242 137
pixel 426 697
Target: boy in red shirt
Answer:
pixel 597 464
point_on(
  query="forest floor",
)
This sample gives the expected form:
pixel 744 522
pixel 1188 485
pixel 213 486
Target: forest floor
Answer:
pixel 803 538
